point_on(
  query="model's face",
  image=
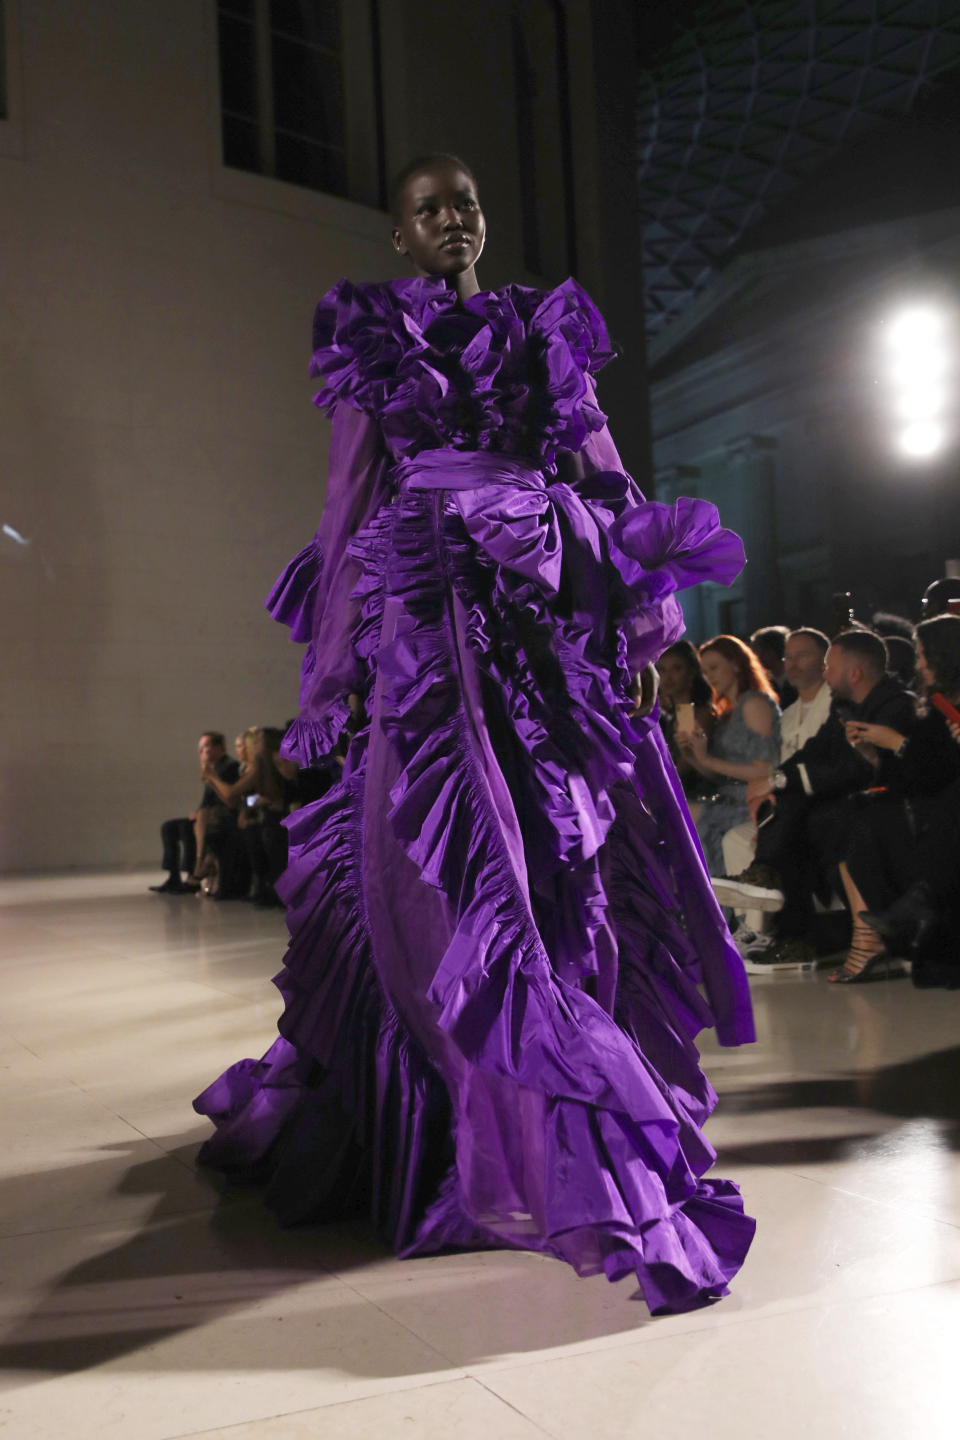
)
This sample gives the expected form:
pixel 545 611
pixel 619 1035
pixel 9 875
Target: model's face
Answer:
pixel 674 679
pixel 720 671
pixel 803 662
pixel 441 226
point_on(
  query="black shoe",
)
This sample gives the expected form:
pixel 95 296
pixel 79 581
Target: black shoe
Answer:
pixel 910 922
pixel 173 886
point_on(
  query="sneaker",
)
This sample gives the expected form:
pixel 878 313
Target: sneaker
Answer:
pixel 781 955
pixel 756 888
pixel 748 942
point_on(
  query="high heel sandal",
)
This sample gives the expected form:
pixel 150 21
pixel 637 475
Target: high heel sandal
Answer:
pixel 863 961
pixel 869 970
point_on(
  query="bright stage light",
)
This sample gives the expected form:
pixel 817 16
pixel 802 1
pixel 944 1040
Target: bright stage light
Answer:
pixel 915 329
pixel 921 439
pixel 920 402
pixel 919 367
pixel 916 341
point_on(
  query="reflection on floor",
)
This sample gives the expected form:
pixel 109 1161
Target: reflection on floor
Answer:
pixel 138 1304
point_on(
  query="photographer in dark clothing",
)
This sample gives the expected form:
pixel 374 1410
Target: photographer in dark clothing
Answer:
pixel 804 805
pixel 179 837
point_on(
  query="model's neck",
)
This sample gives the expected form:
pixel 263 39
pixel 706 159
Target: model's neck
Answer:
pixel 465 284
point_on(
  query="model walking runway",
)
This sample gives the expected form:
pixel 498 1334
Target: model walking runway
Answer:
pixel 502 939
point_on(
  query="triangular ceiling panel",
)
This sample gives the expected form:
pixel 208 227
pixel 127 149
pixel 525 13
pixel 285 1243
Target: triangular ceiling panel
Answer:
pixel 752 97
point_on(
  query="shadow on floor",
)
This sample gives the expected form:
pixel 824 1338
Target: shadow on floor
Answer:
pixel 182 1272
pixel 924 1088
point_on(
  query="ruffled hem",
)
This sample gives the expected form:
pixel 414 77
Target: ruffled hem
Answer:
pixel 681 1261
pixel 292 600
pixel 344 1114
pixel 634 1135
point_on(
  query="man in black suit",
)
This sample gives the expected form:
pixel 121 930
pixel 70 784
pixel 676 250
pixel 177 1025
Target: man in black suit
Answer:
pixel 807 800
pixel 178 836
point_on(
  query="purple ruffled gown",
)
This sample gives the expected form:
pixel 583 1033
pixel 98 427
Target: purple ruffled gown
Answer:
pixel 502 938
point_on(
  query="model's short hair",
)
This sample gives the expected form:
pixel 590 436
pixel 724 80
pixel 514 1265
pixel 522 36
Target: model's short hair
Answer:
pixel 817 636
pixel 869 649
pixel 413 167
pixel 215 737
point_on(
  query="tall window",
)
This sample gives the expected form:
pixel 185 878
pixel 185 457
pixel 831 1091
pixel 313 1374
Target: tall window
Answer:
pixel 299 93
pixel 542 111
pixel 3 63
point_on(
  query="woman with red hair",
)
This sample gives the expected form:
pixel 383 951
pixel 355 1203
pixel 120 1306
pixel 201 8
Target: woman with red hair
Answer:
pixel 744 744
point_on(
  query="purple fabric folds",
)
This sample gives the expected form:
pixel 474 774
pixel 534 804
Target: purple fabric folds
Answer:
pixel 502 939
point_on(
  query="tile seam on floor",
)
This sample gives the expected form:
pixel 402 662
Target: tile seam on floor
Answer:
pixel 368 1299
pixel 838 1302
pixel 829 1185
pixel 334 1405
pixel 844 1303
pixel 900 1209
pixel 99 1225
pixel 528 1419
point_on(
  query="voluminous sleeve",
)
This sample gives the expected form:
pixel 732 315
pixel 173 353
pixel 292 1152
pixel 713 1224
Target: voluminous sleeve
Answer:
pixel 315 594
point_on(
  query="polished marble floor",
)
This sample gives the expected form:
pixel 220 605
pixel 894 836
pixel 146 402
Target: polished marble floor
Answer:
pixel 136 1303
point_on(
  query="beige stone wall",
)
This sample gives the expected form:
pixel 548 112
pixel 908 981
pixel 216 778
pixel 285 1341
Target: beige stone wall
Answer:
pixel 157 444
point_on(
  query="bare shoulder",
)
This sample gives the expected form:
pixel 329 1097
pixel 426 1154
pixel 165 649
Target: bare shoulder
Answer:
pixel 758 713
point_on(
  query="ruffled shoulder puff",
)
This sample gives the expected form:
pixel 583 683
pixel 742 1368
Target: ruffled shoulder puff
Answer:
pixel 406 352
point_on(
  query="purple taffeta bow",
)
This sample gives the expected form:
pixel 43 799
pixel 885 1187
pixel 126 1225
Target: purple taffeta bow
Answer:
pixel 674 546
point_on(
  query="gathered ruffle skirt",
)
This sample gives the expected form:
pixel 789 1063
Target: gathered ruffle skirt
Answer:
pixel 502 939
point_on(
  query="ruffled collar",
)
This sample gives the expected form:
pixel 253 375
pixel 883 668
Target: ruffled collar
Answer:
pixel 504 369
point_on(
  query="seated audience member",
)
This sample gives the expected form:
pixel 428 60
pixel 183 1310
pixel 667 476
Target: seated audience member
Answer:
pixel 179 836
pixel 682 682
pixel 743 745
pixel 942 597
pixel 897 631
pixel 902 660
pixel 263 793
pixel 803 841
pixel 885 624
pixel 769 646
pixel 217 819
pixel 904 841
pixel 805 656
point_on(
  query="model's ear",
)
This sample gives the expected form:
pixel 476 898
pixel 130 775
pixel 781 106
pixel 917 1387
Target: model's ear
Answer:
pixel 398 241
